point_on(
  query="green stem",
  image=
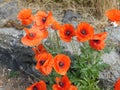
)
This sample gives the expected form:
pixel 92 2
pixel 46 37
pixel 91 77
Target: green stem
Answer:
pixel 73 48
pixel 58 44
pixel 31 75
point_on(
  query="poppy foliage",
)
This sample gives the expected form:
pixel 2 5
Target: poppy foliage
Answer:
pixel 48 61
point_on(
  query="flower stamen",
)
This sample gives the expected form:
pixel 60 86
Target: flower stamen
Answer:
pixel 68 33
pixel 83 32
pixel 32 34
pixel 42 62
pixel 35 88
pixel 44 19
pixel 61 84
pixel 96 41
pixel 61 64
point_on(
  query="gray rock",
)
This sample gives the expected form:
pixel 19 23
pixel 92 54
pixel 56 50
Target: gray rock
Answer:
pixel 1 1
pixel 13 53
pixel 8 11
pixel 70 17
pixel 112 73
pixel 114 34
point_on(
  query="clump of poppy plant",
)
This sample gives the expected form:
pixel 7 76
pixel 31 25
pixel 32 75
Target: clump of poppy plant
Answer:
pixel 74 72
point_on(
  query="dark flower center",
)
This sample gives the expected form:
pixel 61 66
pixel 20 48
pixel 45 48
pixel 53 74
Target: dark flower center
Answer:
pixel 68 33
pixel 44 19
pixel 31 35
pixel 35 88
pixel 39 49
pixel 96 41
pixel 42 62
pixel 61 64
pixel 61 84
pixel 83 32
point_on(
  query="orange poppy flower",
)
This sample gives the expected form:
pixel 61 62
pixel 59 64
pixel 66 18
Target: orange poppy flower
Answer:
pixel 45 34
pixel 72 87
pixel 67 32
pixel 39 49
pixel 113 15
pixel 43 20
pixel 43 30
pixel 56 26
pixel 84 32
pixel 44 63
pixel 62 83
pixel 25 16
pixel 41 85
pixel 61 64
pixel 97 42
pixel 32 37
pixel 117 85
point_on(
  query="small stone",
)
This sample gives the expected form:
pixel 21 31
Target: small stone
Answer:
pixel 1 1
pixel 70 16
pixel 113 60
pixel 8 11
pixel 113 34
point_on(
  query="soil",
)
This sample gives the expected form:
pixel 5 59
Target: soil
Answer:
pixel 12 80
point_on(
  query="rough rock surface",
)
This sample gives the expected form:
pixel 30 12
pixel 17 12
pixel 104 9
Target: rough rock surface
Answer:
pixel 111 74
pixel 70 17
pixel 114 34
pixel 13 54
pixel 1 1
pixel 8 10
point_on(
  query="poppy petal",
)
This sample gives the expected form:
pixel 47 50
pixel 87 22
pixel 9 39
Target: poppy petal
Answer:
pixel 32 37
pixel 84 32
pixel 61 64
pixel 44 63
pixel 41 85
pixel 67 32
pixel 117 85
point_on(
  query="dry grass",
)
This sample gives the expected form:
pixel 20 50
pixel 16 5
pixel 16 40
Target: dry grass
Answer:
pixel 95 7
pixel 92 11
